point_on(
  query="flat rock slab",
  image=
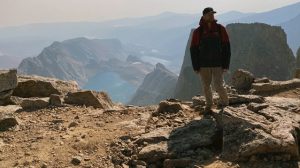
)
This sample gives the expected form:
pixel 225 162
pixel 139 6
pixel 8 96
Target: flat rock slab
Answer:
pixel 89 98
pixel 233 99
pixel 37 86
pixel 155 136
pixel 240 99
pixel 275 86
pixel 197 133
pixel 9 108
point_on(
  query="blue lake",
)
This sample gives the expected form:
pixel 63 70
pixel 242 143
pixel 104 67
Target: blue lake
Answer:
pixel 118 89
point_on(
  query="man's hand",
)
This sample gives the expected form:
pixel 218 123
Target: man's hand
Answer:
pixel 197 71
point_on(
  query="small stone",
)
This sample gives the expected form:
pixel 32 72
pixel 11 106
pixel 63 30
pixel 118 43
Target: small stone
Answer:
pixel 73 124
pixel 44 165
pixel 55 100
pixel 76 160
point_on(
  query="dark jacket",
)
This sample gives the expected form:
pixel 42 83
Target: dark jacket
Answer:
pixel 210 47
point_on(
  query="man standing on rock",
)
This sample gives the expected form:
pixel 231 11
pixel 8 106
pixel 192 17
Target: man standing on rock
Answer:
pixel 210 54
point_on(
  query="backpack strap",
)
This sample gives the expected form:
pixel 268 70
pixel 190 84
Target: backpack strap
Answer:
pixel 201 31
pixel 219 31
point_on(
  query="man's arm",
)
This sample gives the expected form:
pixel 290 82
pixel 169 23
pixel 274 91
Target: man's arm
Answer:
pixel 194 50
pixel 226 50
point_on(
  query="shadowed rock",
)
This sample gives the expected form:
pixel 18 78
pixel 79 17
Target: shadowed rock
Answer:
pixel 8 120
pixel 8 81
pixel 37 86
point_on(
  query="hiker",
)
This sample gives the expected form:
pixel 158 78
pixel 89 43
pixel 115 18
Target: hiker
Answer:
pixel 210 54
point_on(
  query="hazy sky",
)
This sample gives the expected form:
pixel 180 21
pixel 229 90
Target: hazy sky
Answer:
pixel 18 12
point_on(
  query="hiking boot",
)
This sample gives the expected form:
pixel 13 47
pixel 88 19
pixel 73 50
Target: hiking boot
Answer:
pixel 221 106
pixel 207 110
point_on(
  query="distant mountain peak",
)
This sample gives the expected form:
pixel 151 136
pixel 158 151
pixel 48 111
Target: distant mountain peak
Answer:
pixel 160 66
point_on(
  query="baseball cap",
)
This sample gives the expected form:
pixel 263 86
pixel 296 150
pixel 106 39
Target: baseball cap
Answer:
pixel 208 10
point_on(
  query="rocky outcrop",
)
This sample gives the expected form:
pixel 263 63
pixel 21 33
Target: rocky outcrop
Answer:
pixel 89 98
pixel 36 92
pixel 8 82
pixel 252 130
pixel 254 47
pixel 157 85
pixel 37 86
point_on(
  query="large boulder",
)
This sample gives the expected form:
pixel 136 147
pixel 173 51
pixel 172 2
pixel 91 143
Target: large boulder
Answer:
pixel 166 106
pixel 268 133
pixel 37 86
pixel 242 80
pixel 8 81
pixel 154 153
pixel 233 99
pixel 89 98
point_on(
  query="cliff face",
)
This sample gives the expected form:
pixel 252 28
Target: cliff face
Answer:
pixel 259 48
pixel 291 28
pixel 188 83
pixel 157 85
pixel 298 59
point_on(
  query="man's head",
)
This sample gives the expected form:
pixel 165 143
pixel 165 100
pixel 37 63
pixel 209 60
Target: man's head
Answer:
pixel 208 14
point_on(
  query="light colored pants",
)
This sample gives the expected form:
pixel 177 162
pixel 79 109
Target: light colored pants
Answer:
pixel 215 74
